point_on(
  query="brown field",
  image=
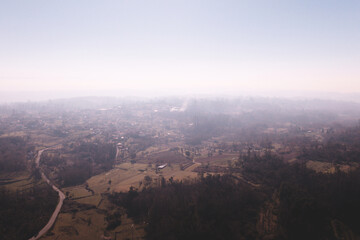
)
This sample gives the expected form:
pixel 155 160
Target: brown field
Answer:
pixel 165 157
pixel 221 160
pixel 18 181
pixel 77 192
pixel 128 230
pixel 325 167
pixel 128 175
pixel 70 225
pixel 82 225
pixel 289 157
pixel 92 200
pixel 14 134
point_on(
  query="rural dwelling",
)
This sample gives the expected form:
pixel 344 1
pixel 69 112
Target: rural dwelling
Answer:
pixel 162 166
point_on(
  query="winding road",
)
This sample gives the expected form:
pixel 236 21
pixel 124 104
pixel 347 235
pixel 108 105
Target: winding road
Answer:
pixel 58 207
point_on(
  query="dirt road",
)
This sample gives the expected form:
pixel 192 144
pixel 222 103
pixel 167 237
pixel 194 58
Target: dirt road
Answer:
pixel 58 207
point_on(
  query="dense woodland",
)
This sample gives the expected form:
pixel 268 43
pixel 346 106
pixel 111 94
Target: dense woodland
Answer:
pixel 223 207
pixel 18 209
pixel 13 153
pixel 23 214
pixel 208 208
pixel 340 148
pixel 87 159
pixel 308 205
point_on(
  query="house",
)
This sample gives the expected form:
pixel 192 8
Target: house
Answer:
pixel 162 166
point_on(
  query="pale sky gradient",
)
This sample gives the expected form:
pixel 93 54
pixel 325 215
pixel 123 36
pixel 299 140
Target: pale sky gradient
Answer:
pixel 180 44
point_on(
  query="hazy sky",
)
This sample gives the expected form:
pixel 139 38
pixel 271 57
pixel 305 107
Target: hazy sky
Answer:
pixel 179 44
